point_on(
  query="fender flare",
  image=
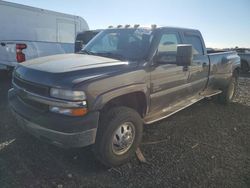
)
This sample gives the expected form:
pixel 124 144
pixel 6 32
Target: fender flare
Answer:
pixel 104 98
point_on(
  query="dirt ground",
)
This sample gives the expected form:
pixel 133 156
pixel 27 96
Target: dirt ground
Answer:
pixel 206 145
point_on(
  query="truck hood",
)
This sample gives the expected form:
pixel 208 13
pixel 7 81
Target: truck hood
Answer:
pixel 70 62
pixel 69 69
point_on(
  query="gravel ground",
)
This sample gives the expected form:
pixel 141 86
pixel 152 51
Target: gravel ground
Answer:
pixel 243 90
pixel 206 145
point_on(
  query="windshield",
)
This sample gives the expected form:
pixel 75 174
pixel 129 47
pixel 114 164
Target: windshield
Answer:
pixel 122 44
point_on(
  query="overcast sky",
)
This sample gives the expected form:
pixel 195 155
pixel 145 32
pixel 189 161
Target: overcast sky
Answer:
pixel 223 23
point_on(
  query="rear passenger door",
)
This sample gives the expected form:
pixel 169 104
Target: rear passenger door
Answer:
pixel 168 81
pixel 199 68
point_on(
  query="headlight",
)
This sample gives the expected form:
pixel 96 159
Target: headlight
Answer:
pixel 67 94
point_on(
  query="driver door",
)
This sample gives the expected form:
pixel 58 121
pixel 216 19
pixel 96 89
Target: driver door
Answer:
pixel 169 82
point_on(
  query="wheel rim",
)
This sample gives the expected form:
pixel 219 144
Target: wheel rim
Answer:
pixel 123 138
pixel 231 89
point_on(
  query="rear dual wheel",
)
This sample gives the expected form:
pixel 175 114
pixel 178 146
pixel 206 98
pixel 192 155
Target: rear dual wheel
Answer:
pixel 230 91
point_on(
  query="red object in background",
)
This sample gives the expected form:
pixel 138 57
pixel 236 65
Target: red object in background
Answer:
pixel 20 56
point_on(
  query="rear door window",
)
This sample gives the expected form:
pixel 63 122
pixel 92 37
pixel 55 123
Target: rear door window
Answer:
pixel 196 43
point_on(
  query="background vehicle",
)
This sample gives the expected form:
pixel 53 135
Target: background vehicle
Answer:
pixel 244 54
pixel 28 32
pixel 84 37
pixel 123 78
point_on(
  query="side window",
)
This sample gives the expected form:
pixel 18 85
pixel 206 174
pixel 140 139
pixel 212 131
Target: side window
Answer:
pixel 196 43
pixel 167 49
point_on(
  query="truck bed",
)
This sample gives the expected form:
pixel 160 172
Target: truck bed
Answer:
pixel 221 66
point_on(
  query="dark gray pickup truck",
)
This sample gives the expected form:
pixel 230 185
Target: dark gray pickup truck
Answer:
pixel 122 79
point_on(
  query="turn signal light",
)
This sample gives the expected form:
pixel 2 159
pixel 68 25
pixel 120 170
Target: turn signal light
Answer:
pixel 69 111
pixel 79 111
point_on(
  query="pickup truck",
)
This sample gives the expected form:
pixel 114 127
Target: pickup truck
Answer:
pixel 124 78
pixel 245 58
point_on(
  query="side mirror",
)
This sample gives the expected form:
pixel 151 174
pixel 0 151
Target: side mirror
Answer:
pixel 184 55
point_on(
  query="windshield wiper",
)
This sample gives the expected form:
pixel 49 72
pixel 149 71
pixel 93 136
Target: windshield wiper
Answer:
pixel 86 52
pixel 104 54
pixel 111 55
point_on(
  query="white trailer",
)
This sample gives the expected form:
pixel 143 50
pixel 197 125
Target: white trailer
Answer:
pixel 27 32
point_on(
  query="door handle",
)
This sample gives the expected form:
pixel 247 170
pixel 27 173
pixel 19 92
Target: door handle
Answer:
pixel 185 68
pixel 204 64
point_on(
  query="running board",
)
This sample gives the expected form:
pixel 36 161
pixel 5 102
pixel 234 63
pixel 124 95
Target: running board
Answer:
pixel 209 93
pixel 169 111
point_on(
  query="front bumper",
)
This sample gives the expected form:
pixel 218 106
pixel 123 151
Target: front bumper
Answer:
pixel 61 139
pixel 60 130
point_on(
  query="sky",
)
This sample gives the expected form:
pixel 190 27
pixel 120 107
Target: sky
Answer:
pixel 223 23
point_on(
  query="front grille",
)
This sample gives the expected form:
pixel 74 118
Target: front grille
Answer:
pixel 38 106
pixel 31 87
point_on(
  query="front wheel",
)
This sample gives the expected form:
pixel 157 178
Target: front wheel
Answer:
pixel 118 136
pixel 229 93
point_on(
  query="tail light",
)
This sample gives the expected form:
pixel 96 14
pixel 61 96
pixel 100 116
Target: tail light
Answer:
pixel 20 56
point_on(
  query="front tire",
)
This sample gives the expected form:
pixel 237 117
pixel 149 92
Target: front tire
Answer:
pixel 118 136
